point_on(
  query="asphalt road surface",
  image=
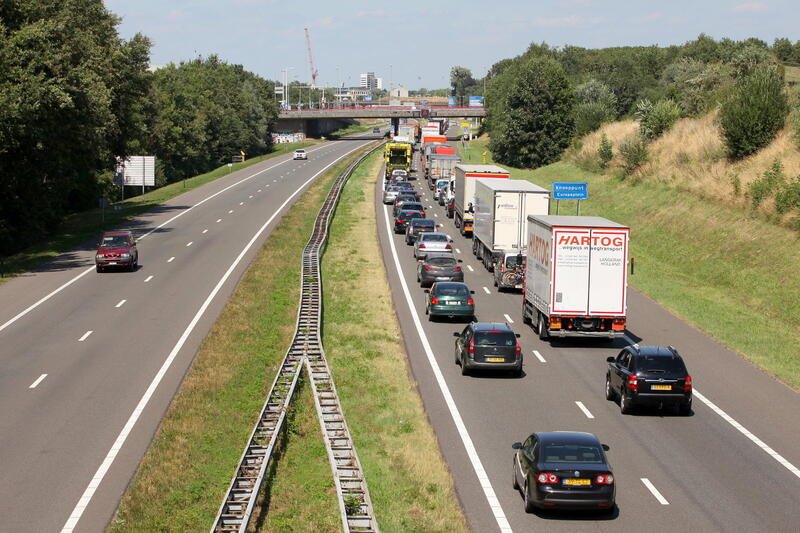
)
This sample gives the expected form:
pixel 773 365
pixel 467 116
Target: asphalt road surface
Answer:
pixel 89 362
pixel 731 466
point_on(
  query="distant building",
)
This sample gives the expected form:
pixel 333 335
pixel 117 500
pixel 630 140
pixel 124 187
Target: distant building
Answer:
pixel 369 81
pixel 350 94
pixel 400 92
pixel 379 83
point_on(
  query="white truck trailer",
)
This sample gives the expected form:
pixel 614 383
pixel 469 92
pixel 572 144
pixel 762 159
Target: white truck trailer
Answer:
pixel 576 278
pixel 465 191
pixel 500 228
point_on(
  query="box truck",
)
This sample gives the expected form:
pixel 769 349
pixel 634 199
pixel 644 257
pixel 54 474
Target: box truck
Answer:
pixel 500 226
pixel 576 277
pixel 441 167
pixel 465 191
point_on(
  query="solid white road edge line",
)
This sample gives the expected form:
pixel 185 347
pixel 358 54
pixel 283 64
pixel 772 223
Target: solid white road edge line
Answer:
pixel 539 356
pixel 652 488
pixel 38 380
pixel 743 430
pixel 584 409
pixel 79 276
pixel 86 498
pixel 121 303
pixel 472 453
pixel 85 336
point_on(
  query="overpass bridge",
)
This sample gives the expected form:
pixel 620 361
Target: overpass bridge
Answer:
pixel 315 122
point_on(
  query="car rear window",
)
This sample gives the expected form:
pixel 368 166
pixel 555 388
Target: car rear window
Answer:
pixel 432 237
pixel 441 183
pixel 410 214
pixel 452 290
pixel 424 224
pixel 660 364
pixel 514 260
pixel 405 185
pixel 571 453
pixel 495 338
pixel 441 261
pixel 412 205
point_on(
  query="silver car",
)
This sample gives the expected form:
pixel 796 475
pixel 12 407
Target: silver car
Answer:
pixel 433 241
pixel 390 194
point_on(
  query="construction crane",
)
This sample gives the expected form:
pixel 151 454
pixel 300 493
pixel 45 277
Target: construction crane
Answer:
pixel 311 61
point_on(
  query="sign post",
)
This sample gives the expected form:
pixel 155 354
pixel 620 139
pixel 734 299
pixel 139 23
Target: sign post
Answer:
pixel 570 191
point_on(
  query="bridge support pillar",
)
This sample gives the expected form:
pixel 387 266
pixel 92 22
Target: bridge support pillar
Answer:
pixel 395 124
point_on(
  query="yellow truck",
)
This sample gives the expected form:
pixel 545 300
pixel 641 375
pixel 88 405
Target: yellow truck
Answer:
pixel 397 155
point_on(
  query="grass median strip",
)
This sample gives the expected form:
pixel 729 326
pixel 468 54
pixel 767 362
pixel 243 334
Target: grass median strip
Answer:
pixel 182 478
pixel 79 227
pixel 731 274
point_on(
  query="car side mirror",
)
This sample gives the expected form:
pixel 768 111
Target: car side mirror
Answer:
pixel 517 335
pixel 610 359
pixel 459 260
pixel 450 241
pixel 517 446
pixel 427 291
pixel 605 447
pixel 456 334
pixel 472 292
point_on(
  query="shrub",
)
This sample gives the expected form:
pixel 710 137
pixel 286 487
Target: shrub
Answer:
pixel 694 85
pixel 752 115
pixel 634 153
pixel 771 181
pixel 605 151
pixel 590 116
pixel 655 119
pixel 788 197
pixel 795 122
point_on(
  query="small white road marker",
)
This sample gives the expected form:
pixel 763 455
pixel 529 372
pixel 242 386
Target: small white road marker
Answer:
pixel 230 211
pixel 435 215
pixel 259 190
pixel 38 380
pixel 189 243
pixel 120 304
pixel 508 318
pixel 458 251
pixel 470 268
pixel 205 230
pixel 275 181
pixel 85 336
pixel 241 203
pixel 148 278
pixel 171 259
pixel 584 409
pixel 539 356
pixel 219 220
pixel 250 196
pixel 661 499
pixel 487 291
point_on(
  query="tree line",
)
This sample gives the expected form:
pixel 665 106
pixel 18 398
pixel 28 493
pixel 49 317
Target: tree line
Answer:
pixel 74 97
pixel 540 101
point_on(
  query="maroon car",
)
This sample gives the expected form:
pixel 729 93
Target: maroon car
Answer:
pixel 117 249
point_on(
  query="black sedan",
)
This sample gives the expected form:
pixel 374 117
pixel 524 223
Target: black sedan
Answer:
pixel 563 469
pixel 403 218
pixel 439 266
pixel 417 226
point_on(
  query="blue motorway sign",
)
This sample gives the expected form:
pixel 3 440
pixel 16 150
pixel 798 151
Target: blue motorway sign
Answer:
pixel 570 191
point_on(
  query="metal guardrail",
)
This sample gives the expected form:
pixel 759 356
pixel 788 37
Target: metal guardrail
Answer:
pixel 306 350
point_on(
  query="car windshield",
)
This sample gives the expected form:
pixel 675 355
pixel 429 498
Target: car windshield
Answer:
pixel 441 184
pixel 442 262
pixel 299 151
pixel 495 338
pixel 660 364
pixel 452 290
pixel 114 240
pixel 572 453
pixel 433 237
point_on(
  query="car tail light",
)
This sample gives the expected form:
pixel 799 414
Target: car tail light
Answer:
pixel 555 322
pixel 519 349
pixel 545 478
pixel 687 384
pixel 605 479
pixel 471 348
pixel 422 245
pixel 458 269
pixel 448 247
pixel 502 268
pixel 400 220
pixel 435 300
pixel 618 324
pixel 633 383
pixel 427 267
pixel 470 301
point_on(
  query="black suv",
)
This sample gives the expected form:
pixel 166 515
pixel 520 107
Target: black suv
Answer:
pixel 488 345
pixel 649 375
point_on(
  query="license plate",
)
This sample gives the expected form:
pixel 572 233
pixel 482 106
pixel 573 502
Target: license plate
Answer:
pixel 112 262
pixel 660 387
pixel 495 359
pixel 442 278
pixel 577 481
pixel 453 303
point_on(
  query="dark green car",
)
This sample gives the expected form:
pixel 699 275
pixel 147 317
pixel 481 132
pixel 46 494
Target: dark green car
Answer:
pixel 450 299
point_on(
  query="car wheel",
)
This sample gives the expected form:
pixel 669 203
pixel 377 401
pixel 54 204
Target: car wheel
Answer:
pixel 494 280
pixel 457 358
pixel 542 329
pixel 529 507
pixel 609 391
pixel 685 409
pixel 514 472
pixel 99 268
pixel 464 368
pixel 517 372
pixel 526 318
pixel 625 406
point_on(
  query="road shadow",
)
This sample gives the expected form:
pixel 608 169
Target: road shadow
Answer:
pixel 577 516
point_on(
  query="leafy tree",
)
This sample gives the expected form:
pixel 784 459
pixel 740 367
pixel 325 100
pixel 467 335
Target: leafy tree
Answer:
pixel 533 122
pixel 783 49
pixel 656 119
pixel 605 151
pixel 595 104
pixel 694 85
pixel 754 113
pixel 460 80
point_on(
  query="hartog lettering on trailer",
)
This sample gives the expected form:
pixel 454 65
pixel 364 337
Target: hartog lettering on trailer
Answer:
pixel 594 240
pixel 539 250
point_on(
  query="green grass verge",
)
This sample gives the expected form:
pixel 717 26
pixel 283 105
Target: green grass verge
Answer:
pixel 350 130
pixel 181 480
pixel 732 275
pixel 79 227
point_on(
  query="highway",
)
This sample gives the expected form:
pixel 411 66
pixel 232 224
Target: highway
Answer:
pixel 731 466
pixel 90 362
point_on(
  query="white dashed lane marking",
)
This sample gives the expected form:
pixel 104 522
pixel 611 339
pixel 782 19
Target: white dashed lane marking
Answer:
pixel 584 409
pixel 85 336
pixel 487 291
pixel 205 230
pixel 120 304
pixel 219 220
pixel 171 259
pixel 539 356
pixel 189 243
pixel 470 268
pixel 654 491
pixel 508 318
pixel 148 278
pixel 38 380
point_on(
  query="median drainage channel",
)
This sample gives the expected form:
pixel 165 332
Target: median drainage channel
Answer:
pixel 306 350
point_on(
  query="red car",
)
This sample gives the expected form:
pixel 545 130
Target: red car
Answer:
pixel 117 249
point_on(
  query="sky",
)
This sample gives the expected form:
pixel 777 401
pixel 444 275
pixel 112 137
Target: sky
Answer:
pixel 414 43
